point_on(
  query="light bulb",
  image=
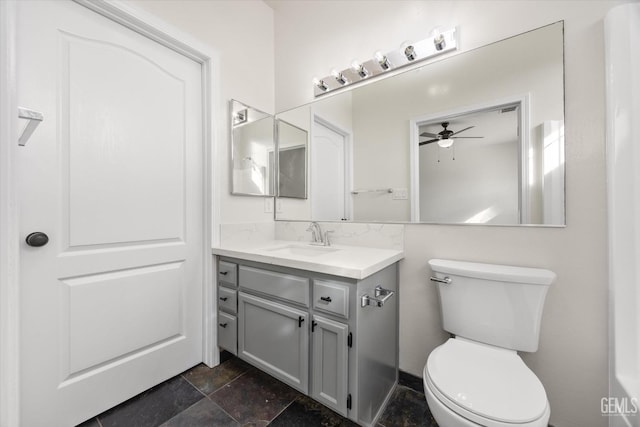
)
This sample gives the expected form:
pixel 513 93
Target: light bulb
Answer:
pixel 438 40
pixel 339 76
pixel 382 60
pixel 320 84
pixel 445 143
pixel 359 69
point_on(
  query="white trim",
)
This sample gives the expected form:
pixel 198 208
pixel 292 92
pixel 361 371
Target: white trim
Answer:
pixel 165 34
pixel 348 156
pixel 9 246
pixel 523 149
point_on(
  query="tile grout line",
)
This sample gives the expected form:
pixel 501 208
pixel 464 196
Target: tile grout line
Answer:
pixel 284 409
pixel 223 410
pixel 192 385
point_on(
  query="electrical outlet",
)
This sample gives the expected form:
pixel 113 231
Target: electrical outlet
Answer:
pixel 400 194
pixel 268 205
pixel 279 205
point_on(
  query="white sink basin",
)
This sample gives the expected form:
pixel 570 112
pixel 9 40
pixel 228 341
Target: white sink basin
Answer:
pixel 302 250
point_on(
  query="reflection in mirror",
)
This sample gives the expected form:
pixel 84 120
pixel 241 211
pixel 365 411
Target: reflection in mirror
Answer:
pixel 292 160
pixel 467 167
pixel 391 177
pixel 252 148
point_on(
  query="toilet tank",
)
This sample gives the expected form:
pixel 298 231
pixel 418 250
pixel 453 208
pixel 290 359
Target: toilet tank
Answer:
pixel 494 304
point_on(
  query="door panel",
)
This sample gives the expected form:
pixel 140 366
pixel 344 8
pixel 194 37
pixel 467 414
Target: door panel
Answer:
pixel 328 180
pixel 274 337
pixel 112 305
pixel 112 314
pixel 330 362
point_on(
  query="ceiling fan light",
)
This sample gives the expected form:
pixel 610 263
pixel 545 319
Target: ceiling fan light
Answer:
pixel 445 143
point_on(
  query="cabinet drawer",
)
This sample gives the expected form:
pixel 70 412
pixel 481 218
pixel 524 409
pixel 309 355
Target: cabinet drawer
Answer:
pixel 280 285
pixel 228 332
pixel 332 297
pixel 227 273
pixel 227 299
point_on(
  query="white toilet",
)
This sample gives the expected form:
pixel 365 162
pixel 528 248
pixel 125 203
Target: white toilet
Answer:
pixel 477 378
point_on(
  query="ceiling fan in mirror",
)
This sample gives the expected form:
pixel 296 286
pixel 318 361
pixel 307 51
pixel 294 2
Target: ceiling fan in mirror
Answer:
pixel 445 137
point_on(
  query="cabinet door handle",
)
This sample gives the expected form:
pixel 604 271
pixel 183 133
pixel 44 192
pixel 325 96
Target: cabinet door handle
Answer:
pixel 326 299
pixel 224 325
pixel 224 298
pixel 313 325
pixel 300 320
pixel 224 273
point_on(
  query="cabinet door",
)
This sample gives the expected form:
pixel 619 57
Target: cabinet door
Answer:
pixel 275 338
pixel 227 332
pixel 330 360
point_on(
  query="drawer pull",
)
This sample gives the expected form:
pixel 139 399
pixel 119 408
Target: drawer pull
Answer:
pixel 313 325
pixel 224 273
pixel 224 298
pixel 300 320
pixel 224 325
pixel 326 299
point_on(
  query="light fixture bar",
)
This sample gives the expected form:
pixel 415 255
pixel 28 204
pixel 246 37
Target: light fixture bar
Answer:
pixel 441 42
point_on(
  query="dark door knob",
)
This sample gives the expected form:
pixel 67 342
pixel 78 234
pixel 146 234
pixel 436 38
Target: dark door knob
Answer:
pixel 37 239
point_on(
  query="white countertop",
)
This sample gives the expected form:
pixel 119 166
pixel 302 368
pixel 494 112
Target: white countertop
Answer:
pixel 356 262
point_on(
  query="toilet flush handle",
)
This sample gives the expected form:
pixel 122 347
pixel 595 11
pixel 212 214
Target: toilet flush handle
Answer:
pixel 446 280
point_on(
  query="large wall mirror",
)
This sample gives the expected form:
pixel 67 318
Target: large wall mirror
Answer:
pixel 474 138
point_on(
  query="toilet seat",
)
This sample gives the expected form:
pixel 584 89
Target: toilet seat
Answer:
pixel 487 385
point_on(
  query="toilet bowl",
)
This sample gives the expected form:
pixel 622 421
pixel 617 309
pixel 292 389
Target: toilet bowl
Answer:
pixel 469 384
pixel 478 378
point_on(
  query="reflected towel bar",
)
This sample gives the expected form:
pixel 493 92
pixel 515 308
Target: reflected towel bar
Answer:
pixel 377 190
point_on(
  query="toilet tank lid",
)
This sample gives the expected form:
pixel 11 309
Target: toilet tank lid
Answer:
pixel 503 273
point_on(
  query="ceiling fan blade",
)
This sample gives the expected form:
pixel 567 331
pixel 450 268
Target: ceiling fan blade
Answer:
pixel 430 135
pixel 455 133
pixel 428 142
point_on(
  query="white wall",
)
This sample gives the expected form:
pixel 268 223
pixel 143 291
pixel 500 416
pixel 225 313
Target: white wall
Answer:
pixel 243 33
pixel 479 185
pixel 311 37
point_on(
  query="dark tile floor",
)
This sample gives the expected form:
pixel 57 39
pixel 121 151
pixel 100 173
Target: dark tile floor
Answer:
pixel 237 394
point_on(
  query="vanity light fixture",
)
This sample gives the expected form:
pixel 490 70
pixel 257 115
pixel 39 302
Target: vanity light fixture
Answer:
pixel 240 117
pixel 339 76
pixel 382 60
pixel 410 52
pixel 359 69
pixel 438 43
pixel 320 84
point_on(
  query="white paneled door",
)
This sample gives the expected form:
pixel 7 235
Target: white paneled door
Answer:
pixel 111 305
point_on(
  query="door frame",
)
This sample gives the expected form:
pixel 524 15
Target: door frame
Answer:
pixel 212 111
pixel 524 131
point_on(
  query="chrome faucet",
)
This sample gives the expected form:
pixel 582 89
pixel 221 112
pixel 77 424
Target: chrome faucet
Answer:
pixel 316 233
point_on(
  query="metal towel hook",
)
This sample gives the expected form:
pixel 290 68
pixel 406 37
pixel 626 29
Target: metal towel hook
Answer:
pixel 34 117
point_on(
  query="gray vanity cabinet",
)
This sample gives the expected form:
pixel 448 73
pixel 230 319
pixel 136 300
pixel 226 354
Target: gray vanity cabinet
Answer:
pixel 275 338
pixel 330 378
pixel 333 338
